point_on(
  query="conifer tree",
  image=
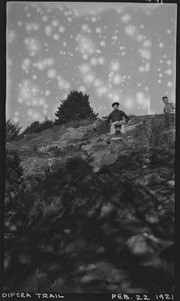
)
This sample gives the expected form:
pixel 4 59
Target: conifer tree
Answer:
pixel 75 107
pixel 12 130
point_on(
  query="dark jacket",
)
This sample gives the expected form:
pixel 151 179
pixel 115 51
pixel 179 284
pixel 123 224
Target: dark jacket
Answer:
pixel 117 116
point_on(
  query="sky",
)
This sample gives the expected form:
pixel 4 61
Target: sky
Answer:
pixel 123 52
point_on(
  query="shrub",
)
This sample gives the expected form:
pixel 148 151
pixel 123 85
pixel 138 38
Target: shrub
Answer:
pixel 13 208
pixel 37 126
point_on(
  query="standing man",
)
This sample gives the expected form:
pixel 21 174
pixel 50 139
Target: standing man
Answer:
pixel 115 117
pixel 169 111
pixel 169 107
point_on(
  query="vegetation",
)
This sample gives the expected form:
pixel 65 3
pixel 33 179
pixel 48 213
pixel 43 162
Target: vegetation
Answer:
pixel 69 228
pixel 75 107
pixel 37 127
pixel 12 130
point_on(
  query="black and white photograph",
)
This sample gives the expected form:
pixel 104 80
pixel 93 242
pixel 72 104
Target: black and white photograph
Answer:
pixel 90 148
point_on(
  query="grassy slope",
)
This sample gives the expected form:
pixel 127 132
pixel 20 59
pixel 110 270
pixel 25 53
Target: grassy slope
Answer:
pixel 89 229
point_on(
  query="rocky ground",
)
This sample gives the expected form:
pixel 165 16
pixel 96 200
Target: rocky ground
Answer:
pixel 92 218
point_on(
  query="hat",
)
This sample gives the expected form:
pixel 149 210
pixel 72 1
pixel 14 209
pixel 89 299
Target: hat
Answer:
pixel 115 103
pixel 117 125
pixel 164 97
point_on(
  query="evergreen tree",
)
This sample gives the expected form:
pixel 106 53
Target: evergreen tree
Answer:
pixel 12 130
pixel 32 128
pixel 75 107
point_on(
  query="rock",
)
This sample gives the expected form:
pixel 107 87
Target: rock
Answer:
pixel 89 267
pixel 107 210
pixel 87 279
pixel 104 267
pixel 138 245
pixel 12 228
pixel 24 259
pixel 100 250
pixel 161 210
pixel 67 231
pixel 112 288
pixel 125 285
pixel 70 248
pixel 57 285
pixel 171 183
pixel 137 290
pixel 151 180
pixel 91 213
pixel 117 276
pixel 96 169
pixel 7 262
pixel 46 249
pixel 152 217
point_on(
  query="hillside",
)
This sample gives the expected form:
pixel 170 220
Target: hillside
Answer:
pixel 85 217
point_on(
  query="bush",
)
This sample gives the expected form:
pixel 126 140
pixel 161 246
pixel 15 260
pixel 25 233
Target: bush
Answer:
pixel 13 208
pixel 37 127
pixel 161 134
pixel 103 127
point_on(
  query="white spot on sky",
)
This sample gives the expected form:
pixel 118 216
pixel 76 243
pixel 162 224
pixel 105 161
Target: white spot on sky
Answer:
pixel 117 79
pixel 51 73
pixel 55 23
pixel 47 92
pixel 161 45
pixel 101 60
pixel 114 66
pixel 169 72
pixel 11 36
pixel 103 43
pixel 170 84
pixel 94 61
pixel 86 45
pixel 140 37
pixel 56 36
pixel 141 69
pixel 94 19
pixel 126 18
pixel 48 30
pixel 147 67
pixel 20 23
pixel 98 30
pixel 30 27
pixel 61 29
pixel 85 28
pixel 129 103
pixel 147 43
pixel 130 30
pixel 82 89
pixel 45 18
pixel 32 45
pixel 145 53
pixel 43 64
pixel 26 64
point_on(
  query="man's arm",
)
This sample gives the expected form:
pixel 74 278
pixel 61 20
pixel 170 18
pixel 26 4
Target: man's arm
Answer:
pixel 109 118
pixel 173 105
pixel 126 117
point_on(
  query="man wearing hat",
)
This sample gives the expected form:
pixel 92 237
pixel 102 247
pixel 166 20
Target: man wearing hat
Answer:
pixel 115 117
pixel 169 111
pixel 169 106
